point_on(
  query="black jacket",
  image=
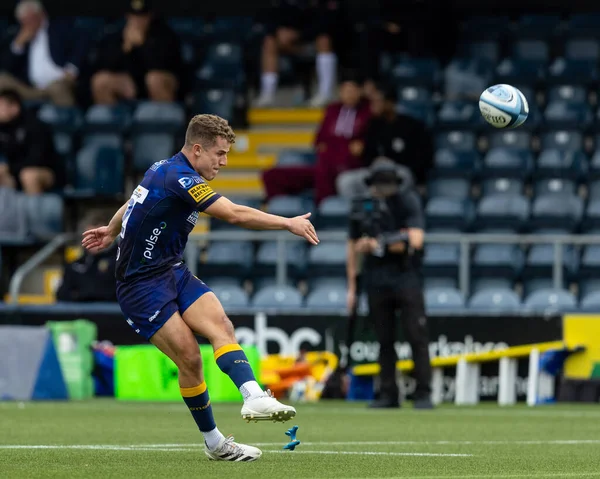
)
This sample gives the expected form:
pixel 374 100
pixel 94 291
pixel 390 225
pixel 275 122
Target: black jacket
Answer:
pixel 90 278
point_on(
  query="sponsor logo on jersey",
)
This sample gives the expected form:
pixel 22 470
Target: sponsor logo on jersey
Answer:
pixel 158 164
pixel 193 218
pixel 187 182
pixel 139 194
pixel 199 192
pixel 153 239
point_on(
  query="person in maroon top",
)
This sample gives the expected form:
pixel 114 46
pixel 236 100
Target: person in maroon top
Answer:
pixel 339 145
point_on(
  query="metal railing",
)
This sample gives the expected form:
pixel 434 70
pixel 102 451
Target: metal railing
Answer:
pixel 465 241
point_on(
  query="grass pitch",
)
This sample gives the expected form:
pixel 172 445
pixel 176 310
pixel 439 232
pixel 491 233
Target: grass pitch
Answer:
pixel 110 439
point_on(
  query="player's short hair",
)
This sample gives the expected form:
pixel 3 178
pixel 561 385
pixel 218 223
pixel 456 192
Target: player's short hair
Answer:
pixel 204 130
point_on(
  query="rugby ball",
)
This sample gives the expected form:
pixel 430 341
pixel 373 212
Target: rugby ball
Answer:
pixel 503 106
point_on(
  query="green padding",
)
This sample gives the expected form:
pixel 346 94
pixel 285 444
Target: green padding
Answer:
pixel 144 373
pixel 73 342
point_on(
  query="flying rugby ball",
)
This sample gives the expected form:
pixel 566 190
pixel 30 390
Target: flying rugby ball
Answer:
pixel 503 106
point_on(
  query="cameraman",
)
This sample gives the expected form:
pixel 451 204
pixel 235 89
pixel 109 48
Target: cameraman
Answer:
pixel 387 228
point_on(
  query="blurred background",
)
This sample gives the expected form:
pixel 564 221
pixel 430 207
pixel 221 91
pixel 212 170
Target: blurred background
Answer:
pixel 90 99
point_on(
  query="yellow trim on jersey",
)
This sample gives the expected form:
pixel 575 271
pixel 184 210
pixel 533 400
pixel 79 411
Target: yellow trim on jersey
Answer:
pixel 195 391
pixel 228 348
pixel 206 197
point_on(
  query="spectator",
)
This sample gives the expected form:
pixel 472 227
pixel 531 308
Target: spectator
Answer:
pixel 293 23
pixel 339 147
pixel 42 61
pixel 142 61
pixel 27 145
pixel 402 138
pixel 92 276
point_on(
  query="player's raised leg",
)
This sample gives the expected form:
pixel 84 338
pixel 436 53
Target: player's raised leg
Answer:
pixel 176 340
pixel 207 318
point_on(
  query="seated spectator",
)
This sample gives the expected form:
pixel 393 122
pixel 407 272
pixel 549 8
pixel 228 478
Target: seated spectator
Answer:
pixel 27 146
pixel 293 24
pixel 339 146
pixel 42 61
pixel 92 276
pixel 401 138
pixel 142 61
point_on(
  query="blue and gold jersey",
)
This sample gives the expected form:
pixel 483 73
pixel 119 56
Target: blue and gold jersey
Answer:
pixel 161 213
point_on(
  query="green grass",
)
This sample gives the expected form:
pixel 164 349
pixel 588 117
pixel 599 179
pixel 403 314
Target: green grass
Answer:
pixel 142 440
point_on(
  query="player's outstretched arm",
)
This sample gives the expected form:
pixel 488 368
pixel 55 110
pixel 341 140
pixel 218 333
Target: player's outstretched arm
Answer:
pixel 254 219
pixel 98 239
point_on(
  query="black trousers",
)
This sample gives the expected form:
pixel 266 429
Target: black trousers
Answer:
pixel 384 306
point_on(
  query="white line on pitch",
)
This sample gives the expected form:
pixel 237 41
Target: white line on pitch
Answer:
pixel 372 453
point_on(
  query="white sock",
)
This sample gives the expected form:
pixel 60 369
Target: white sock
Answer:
pixel 326 69
pixel 213 438
pixel 268 83
pixel 250 390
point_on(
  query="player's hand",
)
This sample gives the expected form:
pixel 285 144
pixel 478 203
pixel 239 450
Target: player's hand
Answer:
pixel 97 239
pixel 301 226
pixel 366 245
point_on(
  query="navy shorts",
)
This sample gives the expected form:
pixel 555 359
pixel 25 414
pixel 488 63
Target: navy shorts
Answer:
pixel 148 302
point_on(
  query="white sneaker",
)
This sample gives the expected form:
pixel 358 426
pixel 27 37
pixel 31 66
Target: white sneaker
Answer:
pixel 228 450
pixel 266 408
pixel 318 101
pixel 264 101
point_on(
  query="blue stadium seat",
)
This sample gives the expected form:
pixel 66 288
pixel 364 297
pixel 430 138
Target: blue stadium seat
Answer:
pixel 433 282
pixel 555 186
pixel 231 258
pixel 149 148
pixel 590 303
pixel 533 51
pixel 591 219
pixel 113 140
pixel 414 94
pixel 295 157
pixel 573 71
pixel 483 283
pixel 564 114
pixel 107 119
pixel 590 262
pixel 423 112
pixel 589 286
pixel 570 93
pixel 231 296
pixel 485 27
pixel 594 165
pixel 562 140
pixel 466 78
pixel 449 187
pixel 507 163
pixel 65 123
pixel 441 260
pixel 458 114
pixel 289 206
pixel 267 255
pixel 486 51
pixel 158 117
pixel 537 26
pixel 514 70
pixel 441 299
pixel 221 281
pixel 280 297
pixel 593 188
pixel 512 140
pixel 498 260
pixel 231 28
pixel 495 186
pixel 556 211
pixel 550 300
pixel 456 140
pixel 416 71
pixel 222 66
pixel 44 215
pixel 333 213
pixel 448 213
pixel 328 258
pixel 187 28
pixel 215 102
pixel 99 170
pixel 335 282
pixel 495 301
pixel 531 285
pixel 584 24
pixel 328 298
pixel 451 163
pixel 502 212
pixel 540 261
pixel 554 163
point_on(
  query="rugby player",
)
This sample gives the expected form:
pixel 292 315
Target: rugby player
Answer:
pixel 164 302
